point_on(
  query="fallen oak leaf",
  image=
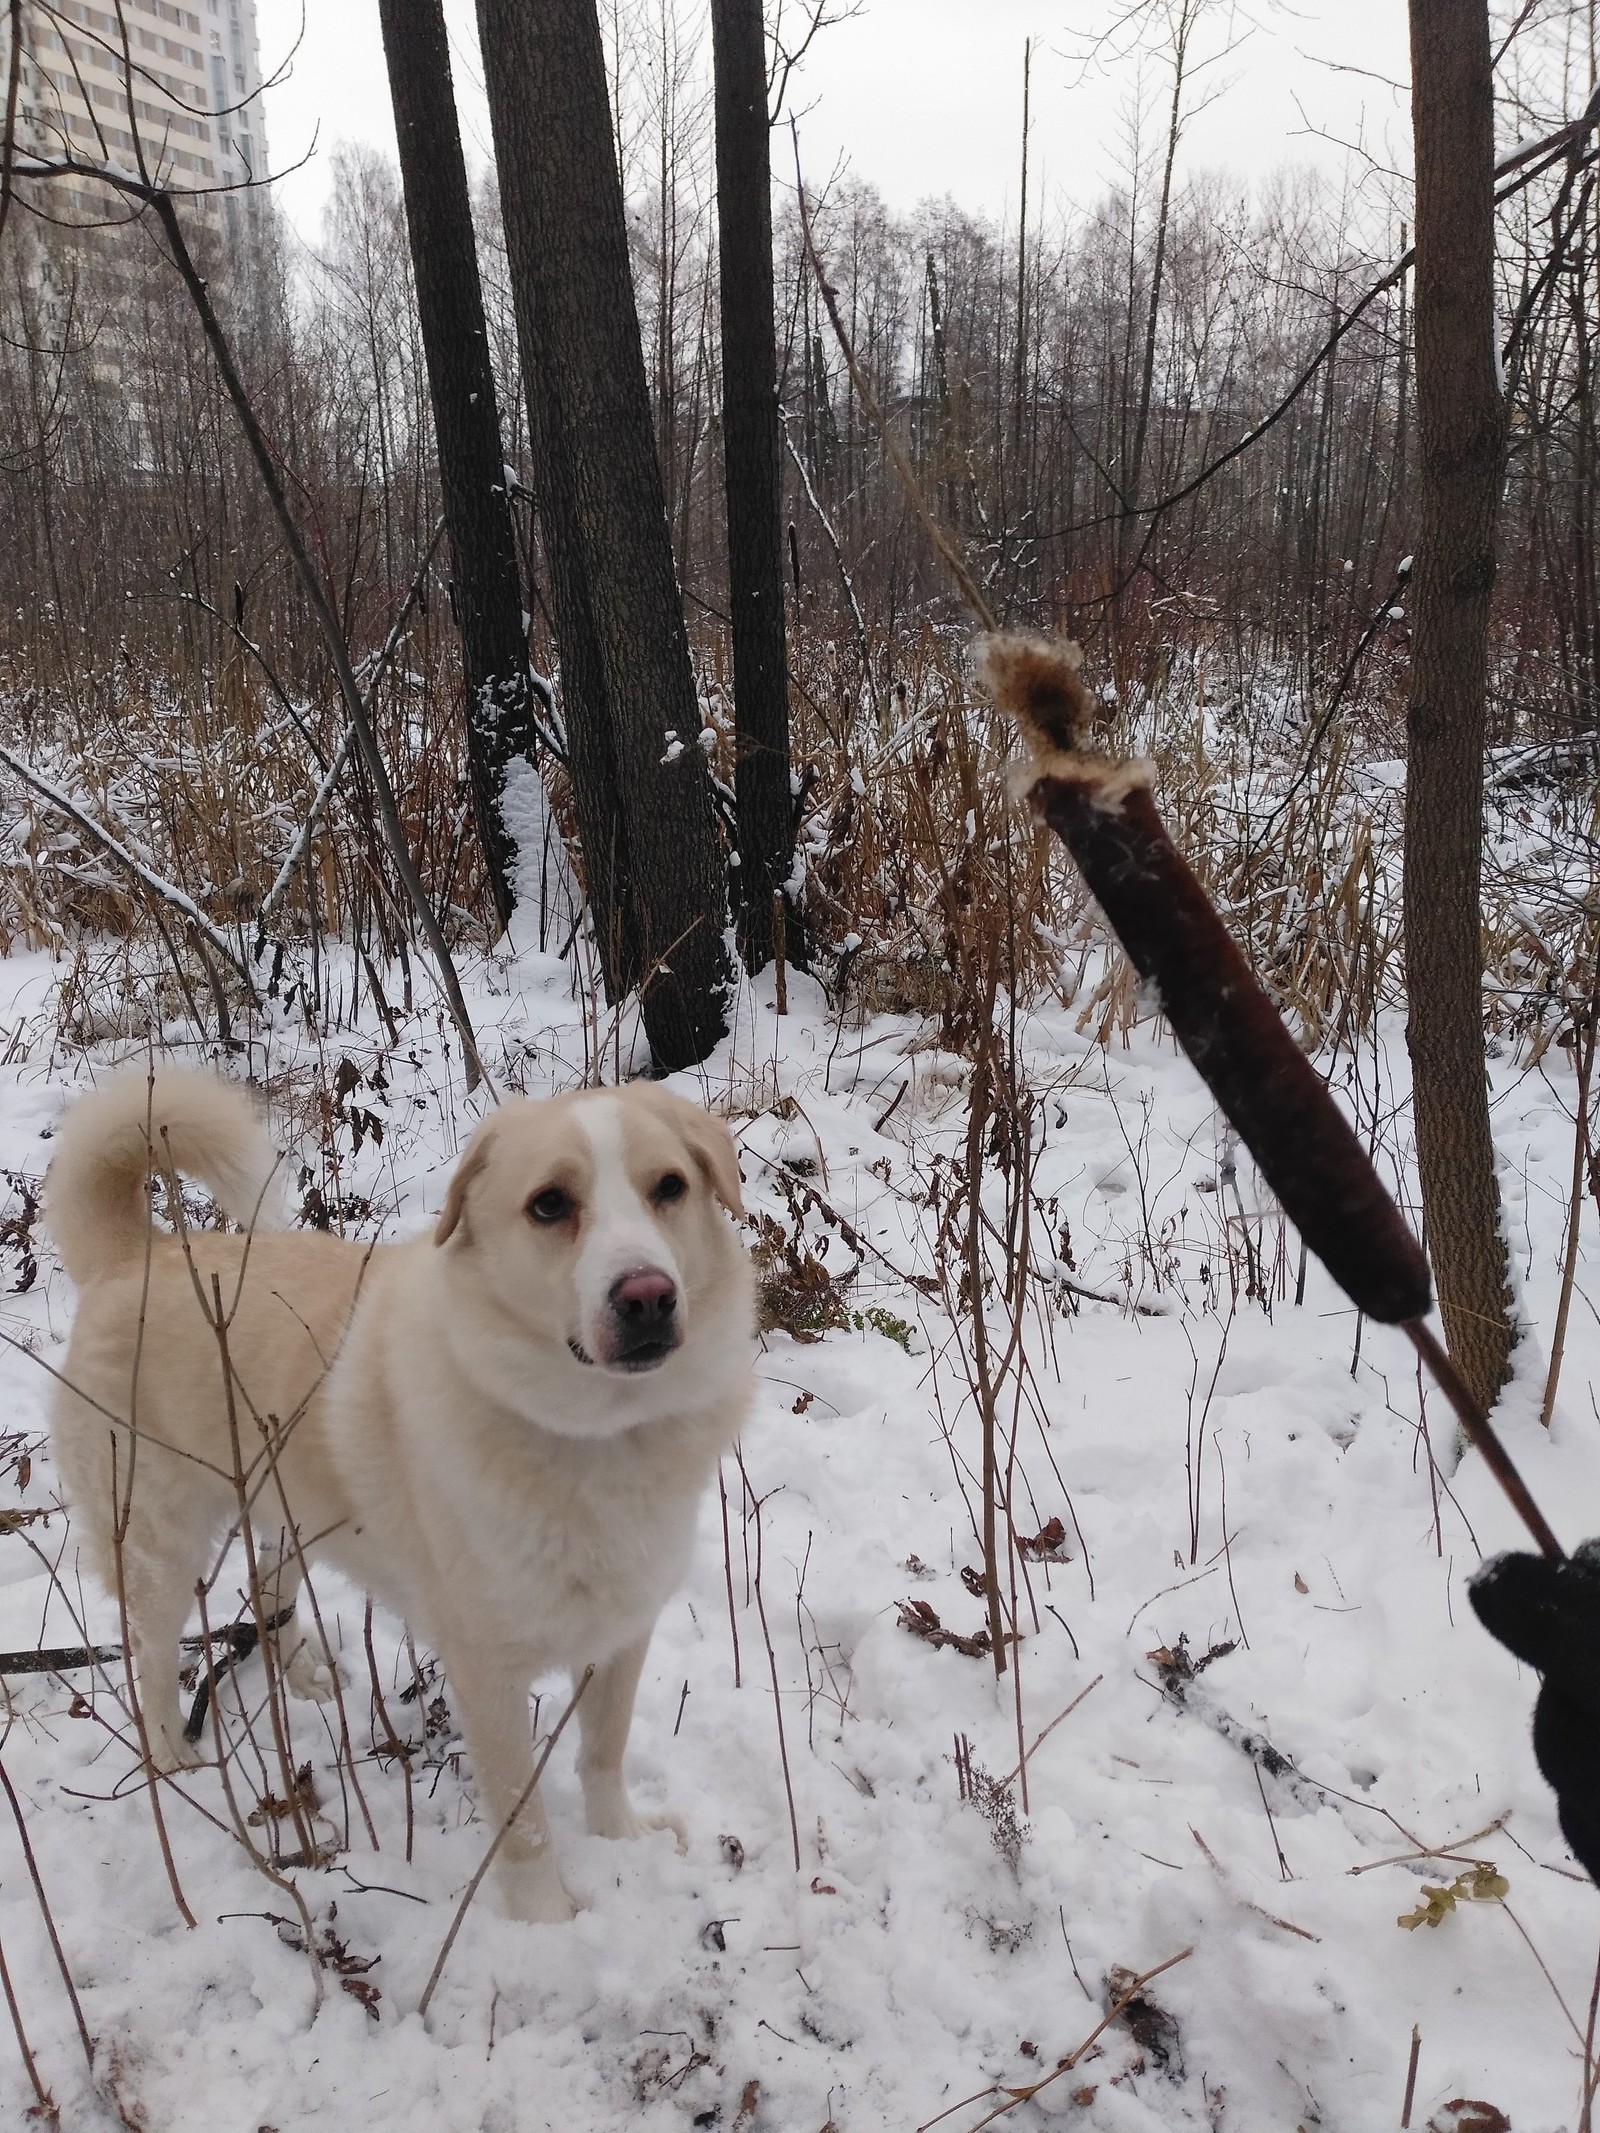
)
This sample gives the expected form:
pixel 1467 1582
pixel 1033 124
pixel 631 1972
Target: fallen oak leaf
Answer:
pixel 920 1620
pixel 1048 1545
pixel 369 1995
pixel 1468 2114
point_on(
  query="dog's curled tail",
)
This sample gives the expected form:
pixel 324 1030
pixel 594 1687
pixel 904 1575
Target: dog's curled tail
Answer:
pixel 96 1205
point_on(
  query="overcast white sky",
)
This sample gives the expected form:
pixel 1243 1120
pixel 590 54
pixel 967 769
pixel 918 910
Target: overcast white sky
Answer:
pixel 924 96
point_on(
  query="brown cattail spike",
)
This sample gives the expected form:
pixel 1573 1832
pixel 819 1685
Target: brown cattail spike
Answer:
pixel 1040 685
pixel 1303 1145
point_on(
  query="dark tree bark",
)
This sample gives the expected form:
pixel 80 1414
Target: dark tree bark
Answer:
pixel 1461 430
pixel 652 860
pixel 483 558
pixel 752 473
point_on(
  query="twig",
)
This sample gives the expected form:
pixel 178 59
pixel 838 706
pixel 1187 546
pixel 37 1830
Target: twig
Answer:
pixel 1041 1738
pixel 727 1571
pixel 1411 2077
pixel 152 1776
pixel 1584 1035
pixel 374 671
pixel 874 414
pixel 1451 1851
pixel 44 2108
pixel 1284 1872
pixel 399 1749
pixel 500 1836
pixel 862 652
pixel 297 850
pixel 1478 1428
pixel 58 1658
pixel 984 1384
pixel 241 1827
pixel 338 651
pixel 49 1922
pixel 1284 1925
pixel 165 891
pixel 772 1664
pixel 1527 1941
pixel 1064 2066
pixel 264 1639
pixel 1586 2114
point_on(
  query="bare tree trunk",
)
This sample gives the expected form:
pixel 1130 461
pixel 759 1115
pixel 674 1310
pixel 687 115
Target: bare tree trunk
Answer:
pixel 752 476
pixel 1461 430
pixel 1134 477
pixel 485 586
pixel 1019 388
pixel 618 613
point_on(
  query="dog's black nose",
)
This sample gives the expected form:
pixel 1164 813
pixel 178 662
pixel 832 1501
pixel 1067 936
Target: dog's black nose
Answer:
pixel 645 1310
pixel 645 1302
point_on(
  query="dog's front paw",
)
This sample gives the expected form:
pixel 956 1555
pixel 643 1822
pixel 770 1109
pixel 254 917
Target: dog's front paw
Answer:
pixel 675 1823
pixel 307 1673
pixel 532 1891
pixel 610 1813
pixel 171 1749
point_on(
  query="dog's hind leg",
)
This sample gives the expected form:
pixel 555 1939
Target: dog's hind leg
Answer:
pixel 158 1590
pixel 604 1719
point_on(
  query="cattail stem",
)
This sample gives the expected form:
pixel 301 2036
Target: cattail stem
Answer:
pixel 1477 1426
pixel 1303 1145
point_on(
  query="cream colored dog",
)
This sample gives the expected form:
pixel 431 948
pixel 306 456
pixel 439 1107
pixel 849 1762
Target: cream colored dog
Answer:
pixel 502 1430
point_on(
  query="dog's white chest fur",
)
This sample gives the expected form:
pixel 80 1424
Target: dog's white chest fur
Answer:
pixel 580 1539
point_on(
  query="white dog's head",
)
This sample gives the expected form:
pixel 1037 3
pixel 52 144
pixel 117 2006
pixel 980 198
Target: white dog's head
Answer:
pixel 592 1226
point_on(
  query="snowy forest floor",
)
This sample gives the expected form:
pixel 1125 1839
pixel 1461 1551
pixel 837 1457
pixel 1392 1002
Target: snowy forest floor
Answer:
pixel 1254 1474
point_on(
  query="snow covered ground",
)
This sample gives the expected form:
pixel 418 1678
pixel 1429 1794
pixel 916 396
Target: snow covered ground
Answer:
pixel 925 1951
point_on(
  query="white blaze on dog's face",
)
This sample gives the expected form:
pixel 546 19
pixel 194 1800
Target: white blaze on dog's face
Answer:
pixel 595 1222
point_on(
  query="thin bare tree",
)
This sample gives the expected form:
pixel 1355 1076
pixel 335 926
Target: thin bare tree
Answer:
pixel 753 478
pixel 1461 432
pixel 641 780
pixel 502 724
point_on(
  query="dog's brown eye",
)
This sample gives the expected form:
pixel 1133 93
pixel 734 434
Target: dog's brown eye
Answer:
pixel 671 1187
pixel 551 1205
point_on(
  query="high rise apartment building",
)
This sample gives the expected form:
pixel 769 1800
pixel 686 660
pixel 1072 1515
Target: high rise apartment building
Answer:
pixel 196 82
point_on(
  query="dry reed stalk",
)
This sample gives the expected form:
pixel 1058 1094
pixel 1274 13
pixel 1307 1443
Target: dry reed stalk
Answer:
pixel 942 540
pixel 121 1513
pixel 977 1118
pixel 152 1776
pixel 331 629
pixel 1584 1029
pixel 255 1593
pixel 727 1571
pixel 772 1661
pixel 344 1746
pixel 1591 2067
pixel 263 1865
pixel 399 1749
pixel 49 1920
pixel 44 2103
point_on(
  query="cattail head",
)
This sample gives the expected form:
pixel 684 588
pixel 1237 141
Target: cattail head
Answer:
pixel 1039 683
pixel 1103 811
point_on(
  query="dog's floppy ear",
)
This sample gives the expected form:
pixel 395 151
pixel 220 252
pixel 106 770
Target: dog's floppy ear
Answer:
pixel 715 1152
pixel 711 1145
pixel 455 1200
